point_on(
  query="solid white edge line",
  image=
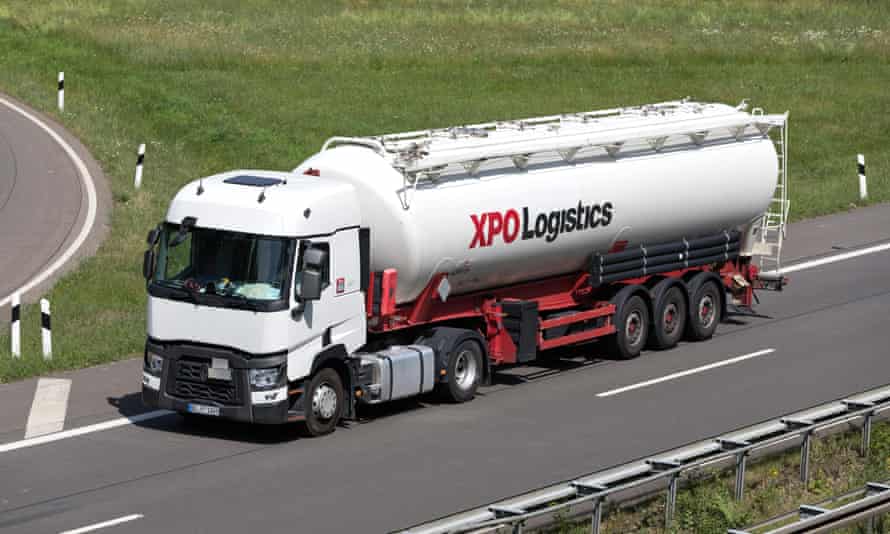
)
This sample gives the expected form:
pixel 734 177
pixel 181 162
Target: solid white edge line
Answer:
pixel 685 373
pixel 832 259
pixel 104 524
pixel 90 220
pixel 74 432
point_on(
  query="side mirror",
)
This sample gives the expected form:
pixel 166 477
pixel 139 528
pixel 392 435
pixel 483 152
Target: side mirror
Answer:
pixel 153 235
pixel 315 258
pixel 311 285
pixel 148 264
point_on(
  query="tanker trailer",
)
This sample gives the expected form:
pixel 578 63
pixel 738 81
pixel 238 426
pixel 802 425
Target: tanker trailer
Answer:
pixel 397 265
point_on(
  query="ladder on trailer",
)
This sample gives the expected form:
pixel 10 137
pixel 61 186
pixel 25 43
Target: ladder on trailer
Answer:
pixel 773 224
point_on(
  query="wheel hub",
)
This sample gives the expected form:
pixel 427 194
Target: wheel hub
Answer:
pixel 633 328
pixel 465 369
pixel 670 318
pixel 706 311
pixel 324 401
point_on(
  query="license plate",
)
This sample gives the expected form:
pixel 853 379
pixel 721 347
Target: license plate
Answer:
pixel 200 409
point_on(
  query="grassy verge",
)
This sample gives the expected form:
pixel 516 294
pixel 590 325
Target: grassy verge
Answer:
pixel 262 84
pixel 773 488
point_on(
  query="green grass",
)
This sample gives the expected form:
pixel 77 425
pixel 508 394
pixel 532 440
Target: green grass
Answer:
pixel 773 487
pixel 262 84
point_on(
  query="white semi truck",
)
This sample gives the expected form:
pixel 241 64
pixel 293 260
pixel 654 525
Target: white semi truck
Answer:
pixel 391 266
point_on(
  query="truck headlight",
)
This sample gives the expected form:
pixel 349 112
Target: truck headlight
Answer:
pixel 154 363
pixel 264 378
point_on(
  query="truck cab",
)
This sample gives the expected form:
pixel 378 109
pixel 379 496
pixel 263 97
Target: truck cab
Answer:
pixel 254 284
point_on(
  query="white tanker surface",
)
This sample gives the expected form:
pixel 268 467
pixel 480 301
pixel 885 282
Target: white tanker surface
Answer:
pixel 515 220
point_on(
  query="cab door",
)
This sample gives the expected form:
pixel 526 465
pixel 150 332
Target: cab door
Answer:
pixel 337 316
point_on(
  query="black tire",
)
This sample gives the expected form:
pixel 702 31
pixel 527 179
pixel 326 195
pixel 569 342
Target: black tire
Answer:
pixel 669 318
pixel 321 419
pixel 632 324
pixel 704 311
pixel 464 373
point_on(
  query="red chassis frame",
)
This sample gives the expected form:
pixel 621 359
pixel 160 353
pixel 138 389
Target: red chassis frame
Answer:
pixel 571 291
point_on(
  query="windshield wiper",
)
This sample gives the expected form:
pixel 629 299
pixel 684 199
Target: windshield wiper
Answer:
pixel 179 291
pixel 242 302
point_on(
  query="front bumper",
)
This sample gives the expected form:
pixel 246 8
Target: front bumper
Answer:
pixel 184 385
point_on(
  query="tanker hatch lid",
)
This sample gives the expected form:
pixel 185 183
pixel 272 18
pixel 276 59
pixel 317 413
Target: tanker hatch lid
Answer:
pixel 254 181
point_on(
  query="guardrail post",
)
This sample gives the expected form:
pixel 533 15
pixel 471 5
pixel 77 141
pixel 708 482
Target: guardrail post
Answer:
pixel 506 512
pixel 671 503
pixel 805 457
pixel 875 522
pixel 584 488
pixel 671 499
pixel 866 422
pixel 804 445
pixel 741 460
pixel 866 435
pixel 597 518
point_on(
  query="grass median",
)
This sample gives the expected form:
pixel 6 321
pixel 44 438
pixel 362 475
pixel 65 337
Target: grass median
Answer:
pixel 263 84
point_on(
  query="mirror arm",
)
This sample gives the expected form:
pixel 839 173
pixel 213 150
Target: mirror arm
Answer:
pixel 297 312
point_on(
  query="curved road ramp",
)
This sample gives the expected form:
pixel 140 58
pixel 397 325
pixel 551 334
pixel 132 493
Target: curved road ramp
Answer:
pixel 52 197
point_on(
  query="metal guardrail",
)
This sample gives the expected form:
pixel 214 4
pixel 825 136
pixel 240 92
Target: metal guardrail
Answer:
pixel 875 500
pixel 737 446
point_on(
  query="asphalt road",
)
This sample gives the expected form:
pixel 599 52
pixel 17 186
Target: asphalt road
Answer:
pixel 43 199
pixel 418 461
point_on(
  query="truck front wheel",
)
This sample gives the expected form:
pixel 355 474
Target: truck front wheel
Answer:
pixel 324 402
pixel 464 372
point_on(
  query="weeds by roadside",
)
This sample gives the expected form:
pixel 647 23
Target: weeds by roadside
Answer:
pixel 773 487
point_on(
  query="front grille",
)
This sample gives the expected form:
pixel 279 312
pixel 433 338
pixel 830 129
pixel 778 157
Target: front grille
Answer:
pixel 190 370
pixel 211 392
pixel 189 382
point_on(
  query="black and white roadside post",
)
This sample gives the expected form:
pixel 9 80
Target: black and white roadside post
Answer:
pixel 61 91
pixel 46 330
pixel 863 186
pixel 16 326
pixel 140 159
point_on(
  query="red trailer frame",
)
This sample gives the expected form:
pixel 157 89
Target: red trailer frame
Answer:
pixel 567 293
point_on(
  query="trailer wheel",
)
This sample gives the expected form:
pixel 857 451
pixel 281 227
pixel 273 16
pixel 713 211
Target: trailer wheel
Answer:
pixel 632 324
pixel 464 373
pixel 324 402
pixel 704 312
pixel 669 321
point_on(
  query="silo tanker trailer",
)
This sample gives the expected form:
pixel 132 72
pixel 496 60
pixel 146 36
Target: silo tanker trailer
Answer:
pixel 392 266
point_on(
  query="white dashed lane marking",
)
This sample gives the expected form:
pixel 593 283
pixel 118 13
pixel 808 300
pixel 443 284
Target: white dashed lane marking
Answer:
pixel 688 372
pixel 104 524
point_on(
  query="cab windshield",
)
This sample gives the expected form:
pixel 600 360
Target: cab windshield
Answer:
pixel 223 266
